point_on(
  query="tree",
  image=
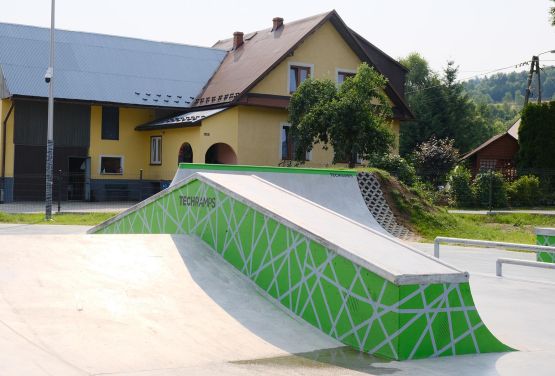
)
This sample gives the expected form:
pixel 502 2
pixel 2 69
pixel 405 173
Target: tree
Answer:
pixel 537 137
pixel 354 119
pixel 552 13
pixel 434 159
pixel 442 108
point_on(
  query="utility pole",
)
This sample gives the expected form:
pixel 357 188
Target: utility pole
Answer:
pixel 539 81
pixel 49 78
pixel 534 67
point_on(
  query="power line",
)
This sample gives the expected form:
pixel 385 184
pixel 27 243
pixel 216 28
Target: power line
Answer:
pixel 474 76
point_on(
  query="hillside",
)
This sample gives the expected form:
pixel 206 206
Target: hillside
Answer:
pixel 510 87
pixel 413 209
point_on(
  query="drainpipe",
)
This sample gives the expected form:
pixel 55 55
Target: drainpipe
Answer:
pixel 4 132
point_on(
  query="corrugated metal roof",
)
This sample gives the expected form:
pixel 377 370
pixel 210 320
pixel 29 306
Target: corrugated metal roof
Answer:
pixel 183 120
pixel 105 68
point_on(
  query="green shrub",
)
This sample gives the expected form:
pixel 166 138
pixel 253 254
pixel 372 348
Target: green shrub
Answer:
pixel 396 166
pixel 495 182
pixel 525 191
pixel 427 192
pixel 434 159
pixel 460 187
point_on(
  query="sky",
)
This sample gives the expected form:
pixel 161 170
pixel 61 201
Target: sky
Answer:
pixel 479 35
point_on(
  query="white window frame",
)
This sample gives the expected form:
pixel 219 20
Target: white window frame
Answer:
pixel 121 157
pixel 294 64
pixel 308 156
pixel 341 70
pixel 159 161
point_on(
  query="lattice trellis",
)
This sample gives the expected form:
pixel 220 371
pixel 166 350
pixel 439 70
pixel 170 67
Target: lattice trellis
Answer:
pixel 337 296
pixel 376 203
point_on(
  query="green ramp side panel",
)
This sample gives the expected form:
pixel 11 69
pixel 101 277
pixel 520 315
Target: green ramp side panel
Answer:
pixel 545 236
pixel 335 295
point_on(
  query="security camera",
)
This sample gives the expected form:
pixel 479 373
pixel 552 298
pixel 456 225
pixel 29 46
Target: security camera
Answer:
pixel 48 75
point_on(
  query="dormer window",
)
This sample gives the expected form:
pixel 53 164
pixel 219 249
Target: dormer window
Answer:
pixel 297 74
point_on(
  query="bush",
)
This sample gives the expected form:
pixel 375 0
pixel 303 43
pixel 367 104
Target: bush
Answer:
pixel 536 137
pixel 396 166
pixel 460 187
pixel 525 191
pixel 434 159
pixel 482 184
pixel 430 194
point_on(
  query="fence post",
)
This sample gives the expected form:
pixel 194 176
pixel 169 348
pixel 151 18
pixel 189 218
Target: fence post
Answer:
pixel 498 268
pixel 436 248
pixel 491 191
pixel 59 190
pixel 141 184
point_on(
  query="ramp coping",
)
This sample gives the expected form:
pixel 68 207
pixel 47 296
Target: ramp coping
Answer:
pixel 285 170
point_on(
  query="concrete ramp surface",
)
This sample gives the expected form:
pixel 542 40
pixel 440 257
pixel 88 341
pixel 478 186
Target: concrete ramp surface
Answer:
pixel 355 284
pixel 337 190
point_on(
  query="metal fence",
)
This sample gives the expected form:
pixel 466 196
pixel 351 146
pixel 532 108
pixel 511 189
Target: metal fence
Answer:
pixel 75 192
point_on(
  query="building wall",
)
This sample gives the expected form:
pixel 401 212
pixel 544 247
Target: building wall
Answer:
pixel 6 104
pixel 172 139
pixel 326 49
pixel 501 150
pixel 133 146
pixel 505 147
pixel 260 138
pixel 222 127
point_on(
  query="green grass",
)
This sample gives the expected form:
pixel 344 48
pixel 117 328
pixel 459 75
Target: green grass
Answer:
pixel 87 219
pixel 430 222
pixel 514 228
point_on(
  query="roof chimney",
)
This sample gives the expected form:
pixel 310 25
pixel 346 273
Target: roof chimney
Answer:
pixel 277 23
pixel 237 39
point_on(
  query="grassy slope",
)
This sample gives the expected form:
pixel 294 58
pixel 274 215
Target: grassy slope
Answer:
pixel 429 221
pixel 89 219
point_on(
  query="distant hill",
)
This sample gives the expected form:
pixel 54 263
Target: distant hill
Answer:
pixel 510 87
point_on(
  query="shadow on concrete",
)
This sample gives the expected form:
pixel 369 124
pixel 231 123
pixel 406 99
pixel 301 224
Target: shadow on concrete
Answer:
pixel 238 296
pixel 340 357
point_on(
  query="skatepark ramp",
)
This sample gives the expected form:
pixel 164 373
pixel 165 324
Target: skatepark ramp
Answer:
pixel 357 285
pixel 355 195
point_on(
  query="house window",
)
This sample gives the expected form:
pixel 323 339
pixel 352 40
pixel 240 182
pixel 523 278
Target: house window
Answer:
pixel 110 123
pixel 156 150
pixel 342 76
pixel 297 74
pixel 288 145
pixel 488 164
pixel 111 165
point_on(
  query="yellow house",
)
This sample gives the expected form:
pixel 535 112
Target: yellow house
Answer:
pixel 136 108
pixel 241 115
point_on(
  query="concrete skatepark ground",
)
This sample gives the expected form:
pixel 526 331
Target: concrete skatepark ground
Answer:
pixel 167 305
pixel 179 304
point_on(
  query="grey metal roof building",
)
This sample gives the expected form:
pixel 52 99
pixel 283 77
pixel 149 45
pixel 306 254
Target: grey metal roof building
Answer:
pixel 104 68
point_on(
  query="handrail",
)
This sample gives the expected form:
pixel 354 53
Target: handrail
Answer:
pixel 487 243
pixel 499 264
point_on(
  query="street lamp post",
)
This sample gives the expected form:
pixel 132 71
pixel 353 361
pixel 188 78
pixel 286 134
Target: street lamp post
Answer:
pixel 49 78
